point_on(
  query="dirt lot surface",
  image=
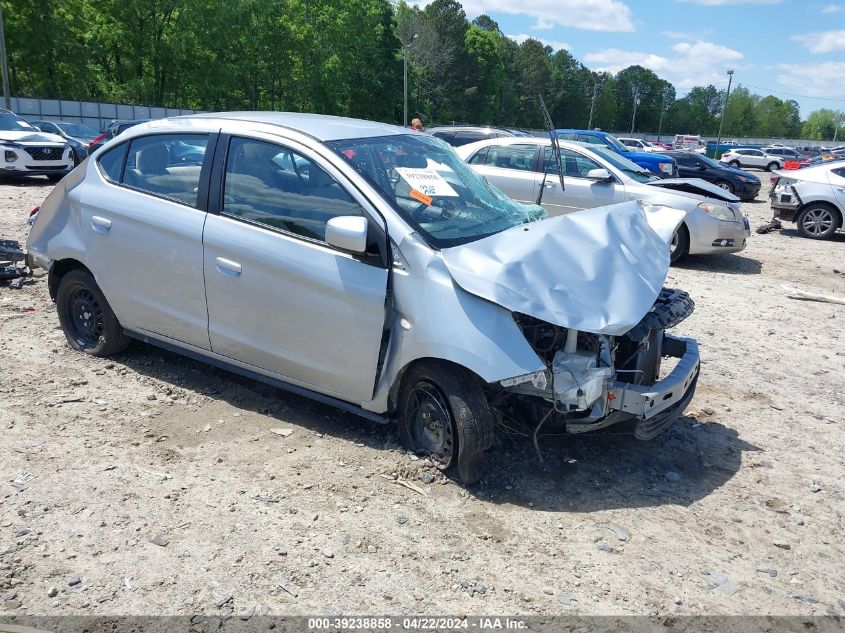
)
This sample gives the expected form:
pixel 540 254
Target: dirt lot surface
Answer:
pixel 160 487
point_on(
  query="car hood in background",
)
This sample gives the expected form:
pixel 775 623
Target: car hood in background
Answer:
pixel 30 136
pixel 695 186
pixel 598 270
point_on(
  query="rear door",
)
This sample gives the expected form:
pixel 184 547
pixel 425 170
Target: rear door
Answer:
pixel 143 228
pixel 511 168
pixel 280 299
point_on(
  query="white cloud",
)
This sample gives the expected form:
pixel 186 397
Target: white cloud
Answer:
pixel 694 64
pixel 590 15
pixel 542 25
pixel 519 39
pixel 719 3
pixel 687 35
pixel 824 42
pixel 814 80
pixel 833 8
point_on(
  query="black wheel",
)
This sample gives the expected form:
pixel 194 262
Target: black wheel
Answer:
pixel 443 413
pixel 735 164
pixel 55 177
pixel 818 221
pixel 86 317
pixel 772 166
pixel 724 184
pixel 679 246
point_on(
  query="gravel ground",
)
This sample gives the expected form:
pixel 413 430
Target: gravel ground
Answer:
pixel 160 487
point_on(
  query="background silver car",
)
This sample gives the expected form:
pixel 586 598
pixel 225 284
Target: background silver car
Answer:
pixel 813 198
pixel 595 176
pixel 368 267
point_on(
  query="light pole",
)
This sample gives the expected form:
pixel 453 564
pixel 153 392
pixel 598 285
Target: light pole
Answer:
pixel 405 48
pixel 636 103
pixel 722 118
pixel 662 111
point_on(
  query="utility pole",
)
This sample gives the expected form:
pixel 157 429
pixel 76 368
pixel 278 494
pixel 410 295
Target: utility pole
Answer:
pixel 722 118
pixel 592 106
pixel 636 103
pixel 4 62
pixel 662 110
pixel 405 48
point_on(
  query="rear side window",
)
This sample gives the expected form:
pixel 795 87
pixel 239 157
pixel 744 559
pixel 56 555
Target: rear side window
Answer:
pixel 510 157
pixel 271 185
pixel 589 138
pixel 167 165
pixel 567 136
pixel 111 162
pixel 465 138
pixel 449 137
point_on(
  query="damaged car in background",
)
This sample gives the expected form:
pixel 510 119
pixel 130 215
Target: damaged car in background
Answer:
pixel 813 198
pixel 370 268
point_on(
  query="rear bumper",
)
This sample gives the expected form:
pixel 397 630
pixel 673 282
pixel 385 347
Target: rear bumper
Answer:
pixel 785 203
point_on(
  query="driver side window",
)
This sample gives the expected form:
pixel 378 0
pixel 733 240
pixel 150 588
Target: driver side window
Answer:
pixel 575 165
pixel 279 188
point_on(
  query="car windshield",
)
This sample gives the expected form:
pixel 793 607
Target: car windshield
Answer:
pixel 614 142
pixel 77 129
pixel 632 170
pixel 433 189
pixel 12 122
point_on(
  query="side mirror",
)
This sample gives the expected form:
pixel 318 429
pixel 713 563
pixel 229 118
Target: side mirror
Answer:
pixel 599 175
pixel 348 233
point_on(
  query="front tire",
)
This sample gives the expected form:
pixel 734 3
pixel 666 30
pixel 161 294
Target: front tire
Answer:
pixel 818 222
pixel 772 166
pixel 679 246
pixel 86 318
pixel 724 184
pixel 443 414
pixel 735 164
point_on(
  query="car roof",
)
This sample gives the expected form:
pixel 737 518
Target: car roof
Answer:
pixel 322 127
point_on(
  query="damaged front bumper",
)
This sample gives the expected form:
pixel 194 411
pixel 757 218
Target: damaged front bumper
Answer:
pixel 661 403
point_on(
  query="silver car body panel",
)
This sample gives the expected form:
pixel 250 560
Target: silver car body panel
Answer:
pixel 596 271
pixel 707 234
pixel 797 188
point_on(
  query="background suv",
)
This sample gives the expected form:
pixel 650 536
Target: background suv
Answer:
pixel 77 135
pixel 663 166
pixel 752 158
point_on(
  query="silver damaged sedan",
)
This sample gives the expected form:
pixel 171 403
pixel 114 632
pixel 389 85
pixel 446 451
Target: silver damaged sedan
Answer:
pixel 370 268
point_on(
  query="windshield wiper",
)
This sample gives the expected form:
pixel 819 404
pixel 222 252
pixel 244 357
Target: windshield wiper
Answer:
pixel 555 152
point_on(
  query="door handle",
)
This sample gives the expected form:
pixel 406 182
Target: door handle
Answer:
pixel 100 225
pixel 549 185
pixel 227 267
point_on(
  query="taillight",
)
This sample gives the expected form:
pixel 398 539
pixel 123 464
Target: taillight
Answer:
pixel 96 140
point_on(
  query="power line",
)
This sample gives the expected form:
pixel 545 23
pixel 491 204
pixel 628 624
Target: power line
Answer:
pixel 792 94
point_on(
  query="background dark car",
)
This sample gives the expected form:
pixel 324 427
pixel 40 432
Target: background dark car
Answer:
pixel 113 130
pixel 742 184
pixel 457 135
pixel 77 135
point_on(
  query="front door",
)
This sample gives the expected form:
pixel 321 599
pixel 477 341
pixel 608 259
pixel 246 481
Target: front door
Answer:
pixel 579 192
pixel 279 298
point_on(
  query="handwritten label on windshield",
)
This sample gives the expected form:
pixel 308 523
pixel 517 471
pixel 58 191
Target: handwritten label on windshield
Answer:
pixel 426 181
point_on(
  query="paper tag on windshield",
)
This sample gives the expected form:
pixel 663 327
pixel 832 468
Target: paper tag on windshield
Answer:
pixel 421 197
pixel 427 181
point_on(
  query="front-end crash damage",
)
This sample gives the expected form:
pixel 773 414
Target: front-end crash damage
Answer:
pixel 586 291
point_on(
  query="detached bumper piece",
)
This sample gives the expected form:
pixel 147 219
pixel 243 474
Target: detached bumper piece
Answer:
pixel 11 253
pixel 659 405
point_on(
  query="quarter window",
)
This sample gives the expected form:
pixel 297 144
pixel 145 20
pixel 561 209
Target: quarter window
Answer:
pixel 519 157
pixel 274 186
pixel 112 161
pixel 166 165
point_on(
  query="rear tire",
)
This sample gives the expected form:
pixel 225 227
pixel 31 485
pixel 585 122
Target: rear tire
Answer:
pixel 818 221
pixel 679 246
pixel 443 414
pixel 86 318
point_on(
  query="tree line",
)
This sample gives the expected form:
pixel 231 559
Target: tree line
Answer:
pixel 345 57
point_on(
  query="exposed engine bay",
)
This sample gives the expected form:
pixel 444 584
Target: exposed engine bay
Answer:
pixel 595 380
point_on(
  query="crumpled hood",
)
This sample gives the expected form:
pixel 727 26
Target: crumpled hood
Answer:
pixel 30 136
pixel 598 270
pixel 695 186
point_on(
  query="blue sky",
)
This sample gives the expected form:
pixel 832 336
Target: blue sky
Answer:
pixel 781 47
